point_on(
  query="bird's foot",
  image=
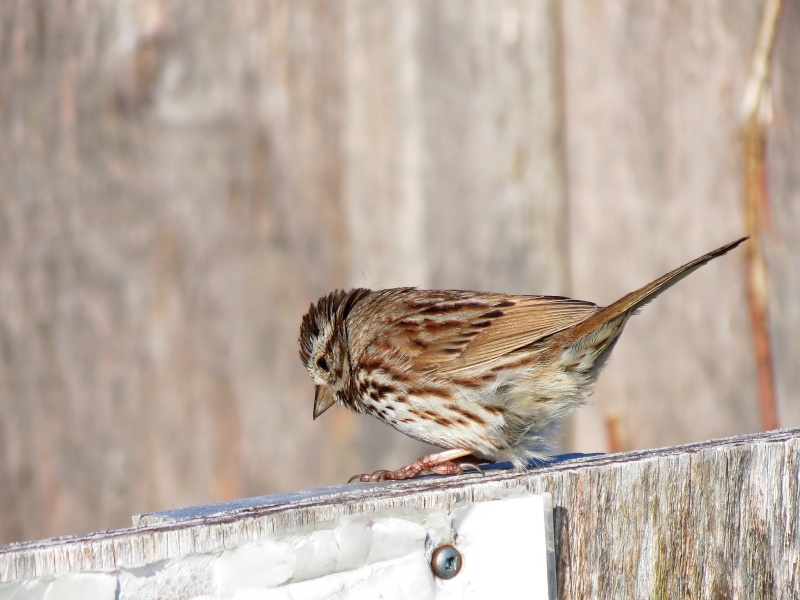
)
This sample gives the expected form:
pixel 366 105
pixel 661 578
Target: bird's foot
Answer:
pixel 441 463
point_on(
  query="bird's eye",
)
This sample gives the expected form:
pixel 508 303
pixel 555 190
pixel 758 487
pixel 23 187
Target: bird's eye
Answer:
pixel 322 364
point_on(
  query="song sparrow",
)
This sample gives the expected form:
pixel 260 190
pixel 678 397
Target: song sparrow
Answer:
pixel 472 372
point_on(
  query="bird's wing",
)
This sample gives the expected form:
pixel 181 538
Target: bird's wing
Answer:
pixel 529 320
pixel 451 330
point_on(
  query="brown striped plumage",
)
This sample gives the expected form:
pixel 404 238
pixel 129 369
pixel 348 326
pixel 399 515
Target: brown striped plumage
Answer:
pixel 472 372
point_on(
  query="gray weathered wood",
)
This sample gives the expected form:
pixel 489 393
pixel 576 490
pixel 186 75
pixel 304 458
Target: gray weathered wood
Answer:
pixel 653 93
pixel 180 178
pixel 783 234
pixel 714 519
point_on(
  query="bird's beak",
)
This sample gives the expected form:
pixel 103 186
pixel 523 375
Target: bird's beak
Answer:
pixel 323 400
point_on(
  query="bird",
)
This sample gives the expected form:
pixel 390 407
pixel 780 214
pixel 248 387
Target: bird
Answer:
pixel 481 375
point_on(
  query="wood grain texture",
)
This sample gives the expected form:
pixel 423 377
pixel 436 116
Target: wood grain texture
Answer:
pixel 454 155
pixel 782 246
pixel 160 201
pixel 653 114
pixel 717 519
pixel 179 179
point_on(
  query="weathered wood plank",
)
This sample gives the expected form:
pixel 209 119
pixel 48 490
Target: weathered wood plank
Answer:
pixel 718 519
pixel 653 95
pixel 454 174
pixel 180 178
pixel 783 236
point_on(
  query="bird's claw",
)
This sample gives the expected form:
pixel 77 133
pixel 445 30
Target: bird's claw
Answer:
pixel 414 469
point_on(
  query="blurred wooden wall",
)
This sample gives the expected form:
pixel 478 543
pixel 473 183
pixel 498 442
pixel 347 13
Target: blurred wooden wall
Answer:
pixel 179 179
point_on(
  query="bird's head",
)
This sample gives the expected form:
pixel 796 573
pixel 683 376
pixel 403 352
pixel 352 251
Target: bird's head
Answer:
pixel 324 349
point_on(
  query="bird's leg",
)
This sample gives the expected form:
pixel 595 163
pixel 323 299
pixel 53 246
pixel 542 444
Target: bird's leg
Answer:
pixel 441 463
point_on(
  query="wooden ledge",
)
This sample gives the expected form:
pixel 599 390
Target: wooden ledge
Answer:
pixel 716 518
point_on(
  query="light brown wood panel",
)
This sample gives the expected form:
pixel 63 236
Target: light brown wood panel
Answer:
pixel 454 174
pixel 385 210
pixel 783 238
pixel 494 177
pixel 182 179
pixel 166 170
pixel 653 96
pixel 179 179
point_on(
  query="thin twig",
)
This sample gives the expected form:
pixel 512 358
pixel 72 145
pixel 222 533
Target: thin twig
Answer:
pixel 614 438
pixel 757 118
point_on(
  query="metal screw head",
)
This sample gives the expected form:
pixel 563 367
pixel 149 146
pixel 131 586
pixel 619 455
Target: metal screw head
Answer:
pixel 446 562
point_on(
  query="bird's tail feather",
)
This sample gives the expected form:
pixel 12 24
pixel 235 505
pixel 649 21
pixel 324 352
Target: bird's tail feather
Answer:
pixel 631 302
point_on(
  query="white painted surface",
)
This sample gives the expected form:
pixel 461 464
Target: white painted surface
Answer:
pixel 506 544
pixel 508 550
